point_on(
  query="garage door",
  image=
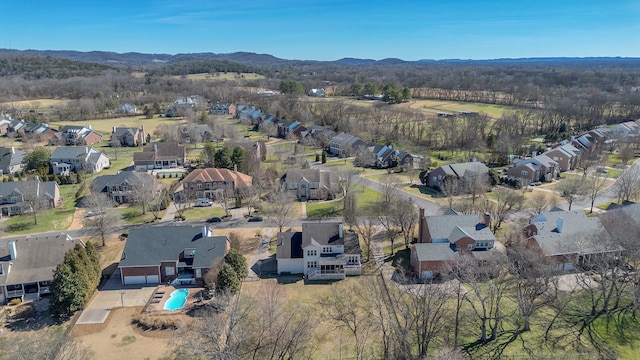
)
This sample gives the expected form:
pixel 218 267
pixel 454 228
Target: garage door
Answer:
pixel 134 280
pixel 141 280
pixel 568 266
pixel 427 274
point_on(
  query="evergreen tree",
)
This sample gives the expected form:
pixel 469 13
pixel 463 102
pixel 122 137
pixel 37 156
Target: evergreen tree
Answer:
pixel 227 279
pixel 238 262
pixel 222 158
pixel 237 156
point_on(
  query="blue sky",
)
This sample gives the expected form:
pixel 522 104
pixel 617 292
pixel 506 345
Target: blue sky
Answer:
pixel 329 29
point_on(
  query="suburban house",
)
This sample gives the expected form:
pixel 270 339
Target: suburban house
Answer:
pixel 222 108
pixel 317 135
pixel 317 92
pixel 321 251
pixel 210 183
pixel 5 122
pixel 171 254
pixel 11 160
pixel 17 197
pixel 290 128
pixel 195 133
pixel 569 238
pixel 75 135
pixel 127 136
pixel 311 184
pixel 184 105
pixel 443 238
pixel 566 155
pixel 460 170
pixel 17 127
pixel 27 264
pixel 126 109
pixel 537 168
pixel 66 159
pixel 39 132
pixel 345 145
pixel 160 155
pixel 122 186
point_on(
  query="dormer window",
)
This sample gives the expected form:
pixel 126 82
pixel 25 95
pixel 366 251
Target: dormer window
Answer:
pixel 189 253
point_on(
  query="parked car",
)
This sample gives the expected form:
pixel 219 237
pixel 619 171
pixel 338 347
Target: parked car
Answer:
pixel 255 219
pixel 203 202
pixel 602 170
pixel 536 183
pixel 94 213
pixel 214 219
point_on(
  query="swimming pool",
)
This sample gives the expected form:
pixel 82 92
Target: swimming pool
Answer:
pixel 177 300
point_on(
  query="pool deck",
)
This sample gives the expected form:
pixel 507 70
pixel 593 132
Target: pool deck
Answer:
pixel 163 293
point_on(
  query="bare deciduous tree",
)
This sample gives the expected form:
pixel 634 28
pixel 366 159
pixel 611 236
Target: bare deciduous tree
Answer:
pixel 279 208
pixel 571 189
pixel 103 218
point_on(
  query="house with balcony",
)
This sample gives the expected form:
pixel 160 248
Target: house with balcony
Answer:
pixel 67 159
pixel 160 155
pixel 181 255
pixel 18 197
pixel 27 264
pixel 321 251
pixel 121 187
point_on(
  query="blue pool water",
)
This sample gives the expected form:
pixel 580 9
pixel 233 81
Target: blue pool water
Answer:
pixel 177 300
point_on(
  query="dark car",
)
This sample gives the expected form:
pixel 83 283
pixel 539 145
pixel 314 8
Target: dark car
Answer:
pixel 255 219
pixel 214 219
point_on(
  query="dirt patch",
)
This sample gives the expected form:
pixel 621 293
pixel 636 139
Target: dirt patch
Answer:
pixel 117 338
pixel 78 219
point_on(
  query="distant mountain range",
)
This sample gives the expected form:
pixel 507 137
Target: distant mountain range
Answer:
pixel 248 58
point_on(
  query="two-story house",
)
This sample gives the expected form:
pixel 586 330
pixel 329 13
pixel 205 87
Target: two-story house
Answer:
pixel 27 264
pixel 538 168
pixel 310 184
pixel 128 136
pixel 66 159
pixel 76 135
pixel 211 183
pixel 321 251
pixel 11 160
pixel 121 187
pixel 177 254
pixel 566 155
pixel 160 155
pixel 460 171
pixel 222 108
pixel 345 145
pixel 17 197
pixel 443 238
pixel 195 133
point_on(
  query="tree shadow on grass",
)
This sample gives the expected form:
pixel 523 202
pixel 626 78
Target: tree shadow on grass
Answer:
pixel 20 226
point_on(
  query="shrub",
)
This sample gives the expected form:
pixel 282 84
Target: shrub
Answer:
pixel 15 301
pixel 148 322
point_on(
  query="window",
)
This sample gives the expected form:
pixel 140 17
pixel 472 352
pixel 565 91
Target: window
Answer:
pixel 208 185
pixel 470 247
pixel 312 264
pixel 524 172
pixel 199 186
pixel 326 250
pixel 312 252
pixel 169 270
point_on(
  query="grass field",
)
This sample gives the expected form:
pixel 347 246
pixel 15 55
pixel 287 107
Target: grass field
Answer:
pixel 326 209
pixel 105 126
pixel 222 76
pixel 432 107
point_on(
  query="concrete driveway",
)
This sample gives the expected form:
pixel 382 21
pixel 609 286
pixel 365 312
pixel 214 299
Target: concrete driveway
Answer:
pixel 111 295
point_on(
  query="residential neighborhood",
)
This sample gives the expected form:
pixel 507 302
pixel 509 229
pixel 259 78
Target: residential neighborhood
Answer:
pixel 362 219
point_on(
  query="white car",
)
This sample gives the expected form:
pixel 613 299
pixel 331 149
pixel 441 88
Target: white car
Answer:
pixel 203 203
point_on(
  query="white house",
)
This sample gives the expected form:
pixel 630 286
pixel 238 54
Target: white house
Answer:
pixel 76 158
pixel 321 251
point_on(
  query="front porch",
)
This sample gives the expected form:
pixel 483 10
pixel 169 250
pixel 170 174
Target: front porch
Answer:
pixel 27 291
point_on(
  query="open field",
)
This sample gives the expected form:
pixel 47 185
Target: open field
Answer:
pixel 222 76
pixel 105 126
pixel 39 104
pixel 432 107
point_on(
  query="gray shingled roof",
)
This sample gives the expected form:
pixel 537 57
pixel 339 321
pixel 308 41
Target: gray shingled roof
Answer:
pixel 577 234
pixel 152 245
pixel 132 177
pixel 46 188
pixel 474 232
pixel 434 252
pixel 36 257
pixel 9 157
pixel 70 152
pixel 289 245
pixel 469 168
pixel 441 226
